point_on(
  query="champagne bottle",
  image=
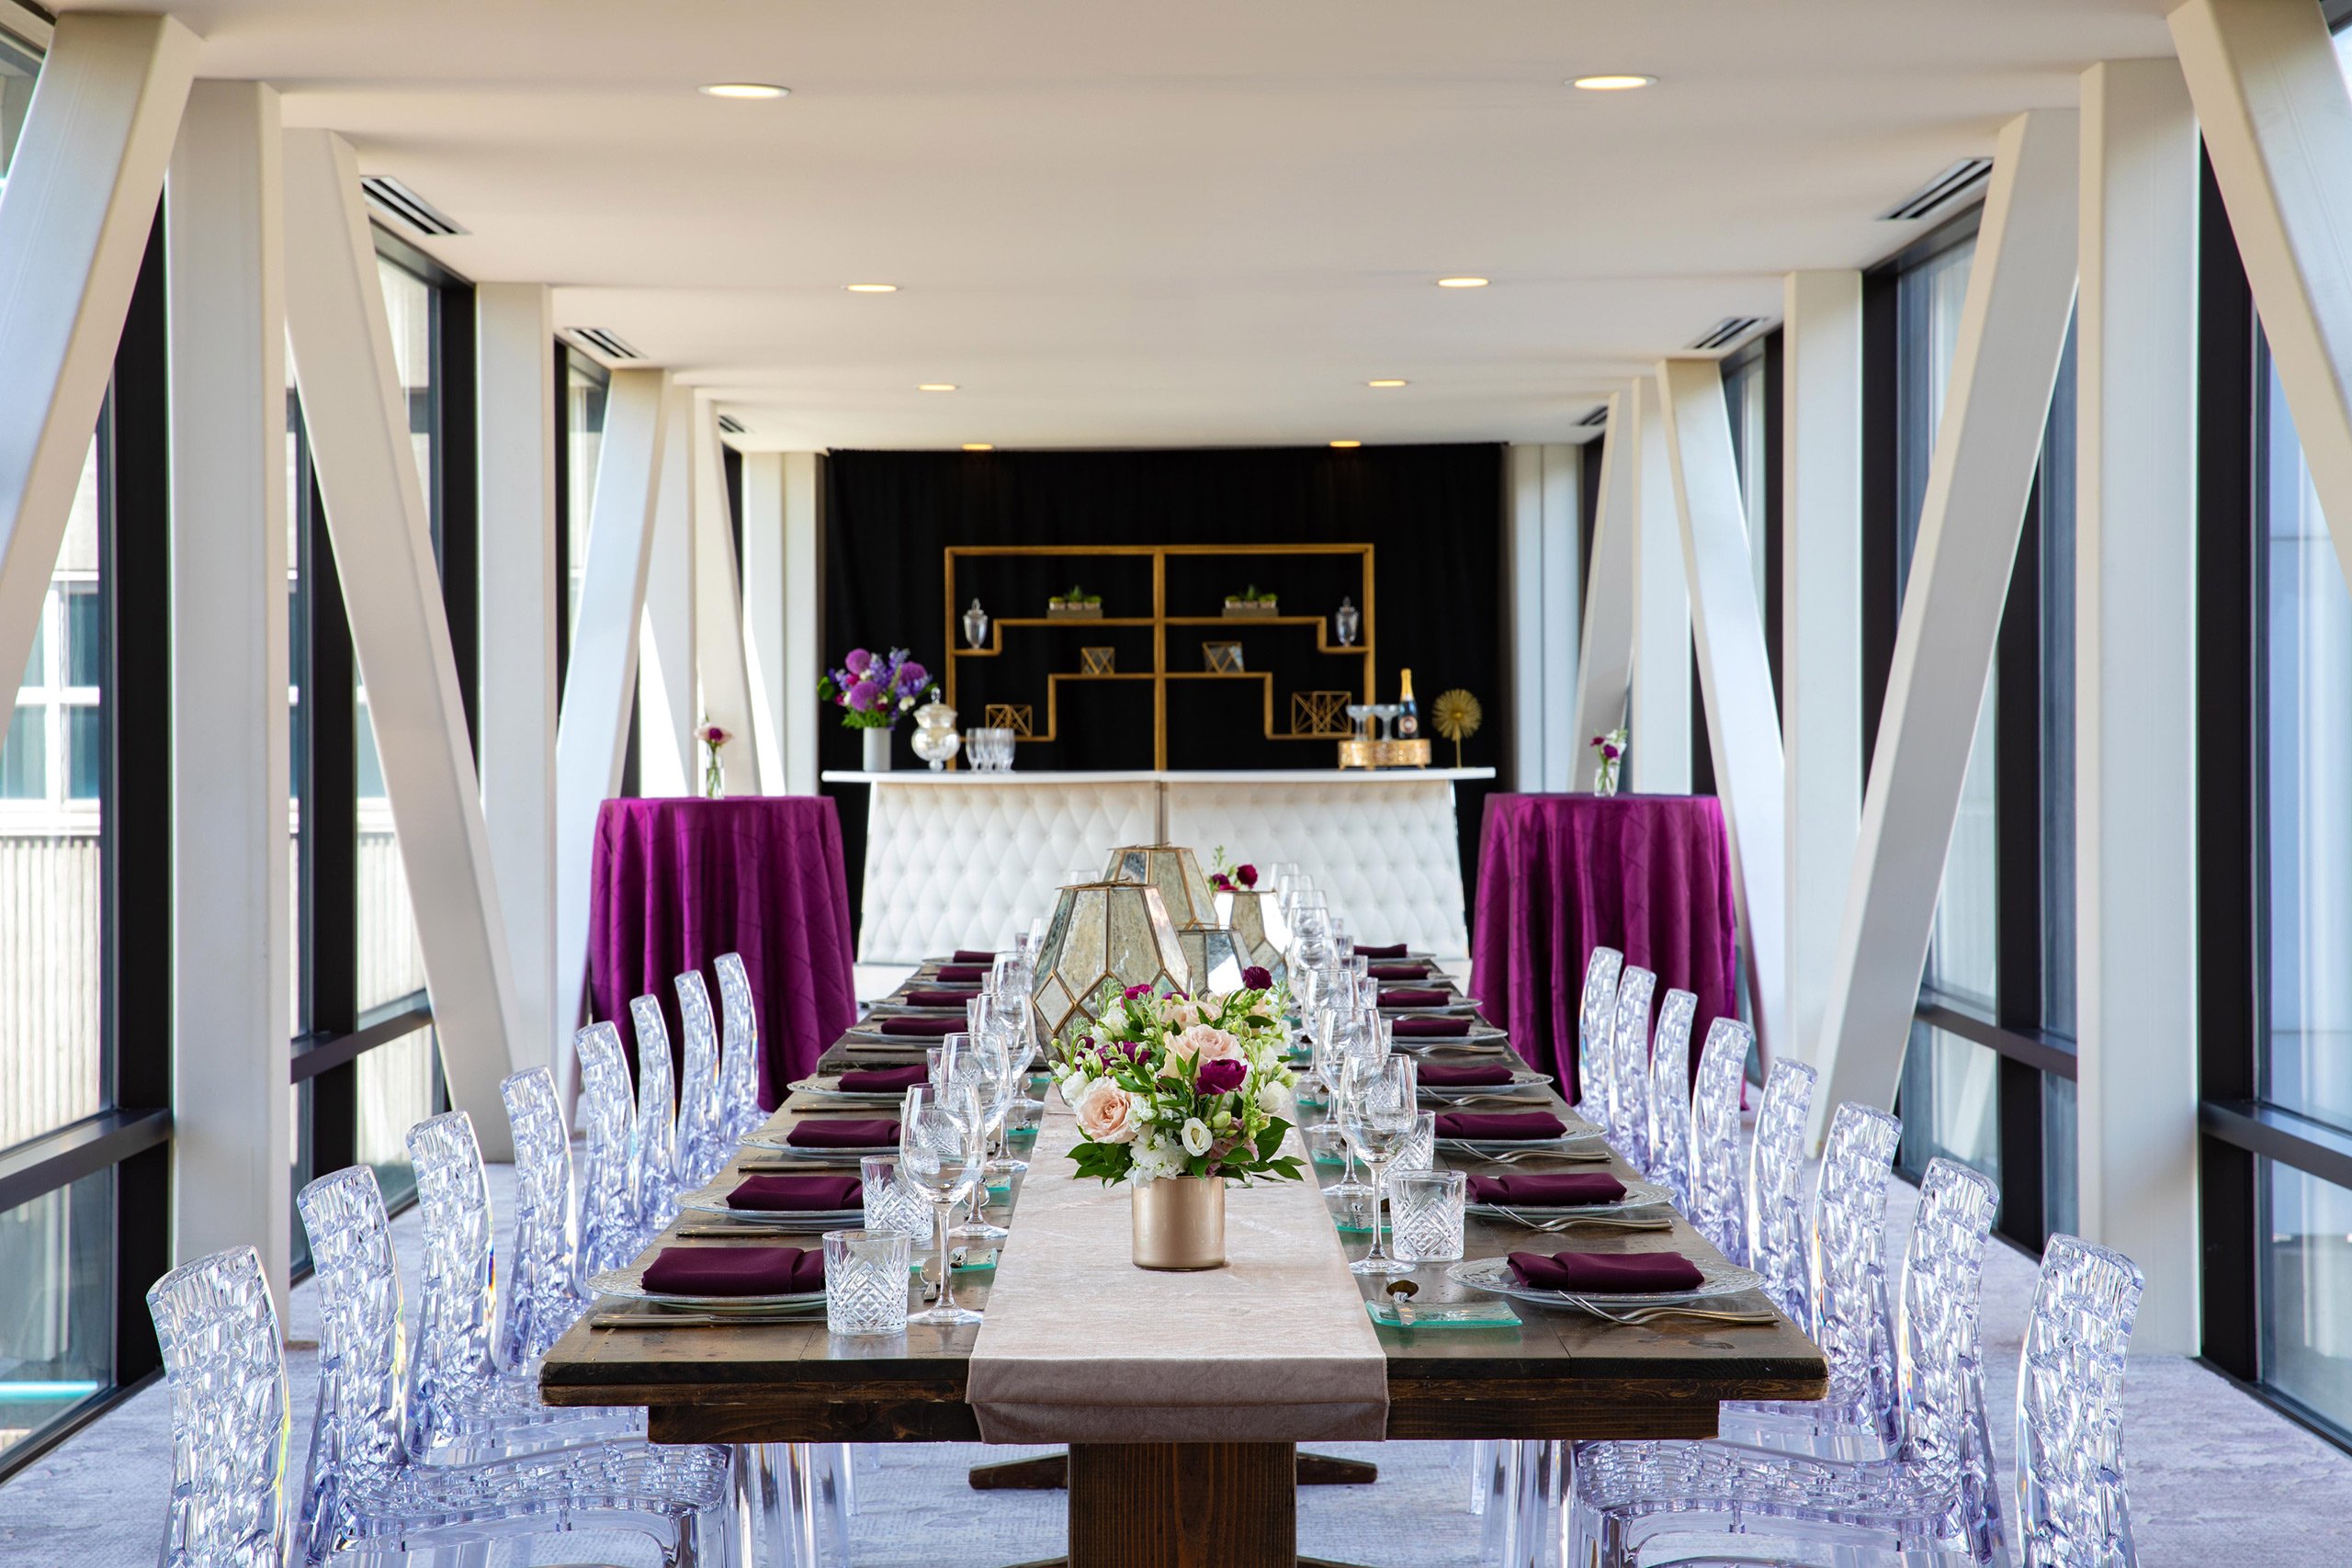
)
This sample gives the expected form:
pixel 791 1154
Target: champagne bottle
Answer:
pixel 1408 715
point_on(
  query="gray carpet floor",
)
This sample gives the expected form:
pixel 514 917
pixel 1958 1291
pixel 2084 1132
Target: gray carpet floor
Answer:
pixel 2216 1477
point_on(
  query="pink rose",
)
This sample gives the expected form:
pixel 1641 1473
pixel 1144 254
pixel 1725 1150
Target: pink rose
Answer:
pixel 1180 1011
pixel 1205 1043
pixel 1107 1113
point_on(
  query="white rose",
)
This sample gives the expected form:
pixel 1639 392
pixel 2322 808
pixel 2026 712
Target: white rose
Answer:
pixel 1196 1136
pixel 1107 1113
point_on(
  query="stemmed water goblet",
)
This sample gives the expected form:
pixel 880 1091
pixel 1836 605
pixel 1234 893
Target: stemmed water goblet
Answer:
pixel 939 1156
pixel 977 1066
pixel 1351 1051
pixel 1378 1119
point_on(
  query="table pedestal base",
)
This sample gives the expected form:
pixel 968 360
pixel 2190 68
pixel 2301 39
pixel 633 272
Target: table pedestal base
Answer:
pixel 1051 1473
pixel 1181 1506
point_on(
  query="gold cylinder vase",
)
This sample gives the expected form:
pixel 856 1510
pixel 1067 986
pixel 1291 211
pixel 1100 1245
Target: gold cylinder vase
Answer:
pixel 1179 1223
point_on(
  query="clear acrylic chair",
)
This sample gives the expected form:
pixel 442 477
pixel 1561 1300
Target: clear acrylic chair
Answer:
pixel 1628 1067
pixel 1916 1501
pixel 542 1294
pixel 1848 1290
pixel 1776 1217
pixel 654 1158
pixel 1670 1097
pixel 608 1226
pixel 2072 1507
pixel 703 1145
pixel 1596 1027
pixel 738 1056
pixel 1718 1206
pixel 230 1419
pixel 364 1492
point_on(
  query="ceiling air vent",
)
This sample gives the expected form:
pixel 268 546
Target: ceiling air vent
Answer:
pixel 730 423
pixel 1961 178
pixel 395 201
pixel 1728 330
pixel 609 344
pixel 1596 418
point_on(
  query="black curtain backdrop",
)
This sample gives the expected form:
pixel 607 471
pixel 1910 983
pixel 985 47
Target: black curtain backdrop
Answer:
pixel 1433 514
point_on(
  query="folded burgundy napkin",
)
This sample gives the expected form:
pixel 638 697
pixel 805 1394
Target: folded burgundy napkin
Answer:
pixel 947 998
pixel 1497 1124
pixel 736 1270
pixel 1430 1027
pixel 1413 997
pixel 961 973
pixel 972 956
pixel 883 1080
pixel 934 1027
pixel 1395 950
pixel 797 1194
pixel 1469 1075
pixel 1398 971
pixel 1553 1189
pixel 1600 1271
pixel 874 1133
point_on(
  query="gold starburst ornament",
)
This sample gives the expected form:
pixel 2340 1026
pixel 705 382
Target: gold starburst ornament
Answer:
pixel 1457 717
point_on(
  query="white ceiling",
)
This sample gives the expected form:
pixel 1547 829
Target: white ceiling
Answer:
pixel 1117 223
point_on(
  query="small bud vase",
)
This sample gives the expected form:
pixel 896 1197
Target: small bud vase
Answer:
pixel 1179 1223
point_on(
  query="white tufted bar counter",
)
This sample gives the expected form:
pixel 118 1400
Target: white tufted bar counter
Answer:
pixel 956 859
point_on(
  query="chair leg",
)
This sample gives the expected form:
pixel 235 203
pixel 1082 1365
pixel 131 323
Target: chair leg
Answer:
pixel 761 1504
pixel 799 1500
pixel 829 1496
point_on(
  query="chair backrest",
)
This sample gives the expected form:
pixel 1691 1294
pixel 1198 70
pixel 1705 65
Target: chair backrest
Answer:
pixel 1718 1170
pixel 656 1159
pixel 230 1422
pixel 702 1141
pixel 450 1348
pixel 1846 1270
pixel 1596 1025
pixel 356 1441
pixel 1670 1097
pixel 541 1293
pixel 608 1131
pixel 1776 1217
pixel 1629 1066
pixel 738 1056
pixel 2072 1507
pixel 1938 1360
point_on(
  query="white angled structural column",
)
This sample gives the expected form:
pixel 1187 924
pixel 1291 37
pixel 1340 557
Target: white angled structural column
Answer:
pixel 1544 613
pixel 1734 672
pixel 763 651
pixel 230 834
pixel 804 558
pixel 2012 331
pixel 592 735
pixel 1821 642
pixel 725 695
pixel 2135 653
pixel 1605 657
pixel 667 692
pixel 1658 711
pixel 515 379
pixel 382 535
pixel 81 189
pixel 2276 118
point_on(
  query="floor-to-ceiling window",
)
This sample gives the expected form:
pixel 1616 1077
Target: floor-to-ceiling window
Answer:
pixel 1988 1073
pixel 580 437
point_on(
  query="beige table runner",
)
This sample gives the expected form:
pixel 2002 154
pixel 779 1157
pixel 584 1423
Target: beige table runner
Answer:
pixel 1081 1346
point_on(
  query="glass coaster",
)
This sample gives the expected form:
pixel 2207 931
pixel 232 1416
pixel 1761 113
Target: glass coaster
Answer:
pixel 1448 1314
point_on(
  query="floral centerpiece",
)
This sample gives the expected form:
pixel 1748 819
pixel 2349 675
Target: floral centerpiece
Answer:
pixel 1610 752
pixel 714 772
pixel 1227 878
pixel 872 690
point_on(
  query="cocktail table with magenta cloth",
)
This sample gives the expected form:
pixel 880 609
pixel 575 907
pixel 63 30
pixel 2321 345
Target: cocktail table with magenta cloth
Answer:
pixel 677 883
pixel 1559 874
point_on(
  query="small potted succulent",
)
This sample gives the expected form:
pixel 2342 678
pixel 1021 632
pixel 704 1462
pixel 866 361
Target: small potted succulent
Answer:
pixel 1076 605
pixel 1251 601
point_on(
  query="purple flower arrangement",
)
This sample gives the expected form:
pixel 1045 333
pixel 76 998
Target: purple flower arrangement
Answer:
pixel 873 689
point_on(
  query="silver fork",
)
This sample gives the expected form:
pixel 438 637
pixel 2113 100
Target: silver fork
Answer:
pixel 1633 1317
pixel 1580 1157
pixel 1611 1222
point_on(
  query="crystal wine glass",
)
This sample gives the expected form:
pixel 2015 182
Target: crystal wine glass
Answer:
pixel 976 1069
pixel 939 1155
pixel 1351 1054
pixel 1378 1119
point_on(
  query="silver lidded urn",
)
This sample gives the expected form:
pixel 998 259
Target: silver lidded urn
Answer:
pixel 1345 622
pixel 935 738
pixel 976 625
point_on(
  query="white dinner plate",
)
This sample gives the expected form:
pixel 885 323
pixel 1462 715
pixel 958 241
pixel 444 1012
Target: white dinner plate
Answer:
pixel 1638 1195
pixel 1716 1278
pixel 629 1285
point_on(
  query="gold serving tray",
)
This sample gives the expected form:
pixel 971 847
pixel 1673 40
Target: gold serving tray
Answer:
pixel 1385 754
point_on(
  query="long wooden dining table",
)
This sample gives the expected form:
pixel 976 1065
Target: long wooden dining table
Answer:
pixel 1553 1375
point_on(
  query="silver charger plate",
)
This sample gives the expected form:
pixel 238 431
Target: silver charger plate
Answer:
pixel 1479 1042
pixel 1578 1140
pixel 827 1087
pixel 815 1156
pixel 628 1283
pixel 1525 1083
pixel 1457 1003
pixel 1638 1195
pixel 712 1199
pixel 1716 1278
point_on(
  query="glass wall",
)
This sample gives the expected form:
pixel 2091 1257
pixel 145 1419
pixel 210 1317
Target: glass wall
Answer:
pixel 18 66
pixel 585 382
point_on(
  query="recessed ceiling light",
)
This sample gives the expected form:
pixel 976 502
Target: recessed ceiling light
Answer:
pixel 1387 381
pixel 744 90
pixel 871 288
pixel 936 387
pixel 1347 446
pixel 978 446
pixel 1615 82
pixel 1462 283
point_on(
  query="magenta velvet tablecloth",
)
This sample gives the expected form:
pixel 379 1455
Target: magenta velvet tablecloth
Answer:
pixel 679 881
pixel 1560 874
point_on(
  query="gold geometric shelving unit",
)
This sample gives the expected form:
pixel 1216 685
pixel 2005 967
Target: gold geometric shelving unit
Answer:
pixel 1160 621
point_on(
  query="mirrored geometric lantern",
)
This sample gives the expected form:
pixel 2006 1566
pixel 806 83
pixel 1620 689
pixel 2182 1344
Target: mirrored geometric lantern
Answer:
pixel 1255 916
pixel 1176 871
pixel 1105 937
pixel 1213 958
